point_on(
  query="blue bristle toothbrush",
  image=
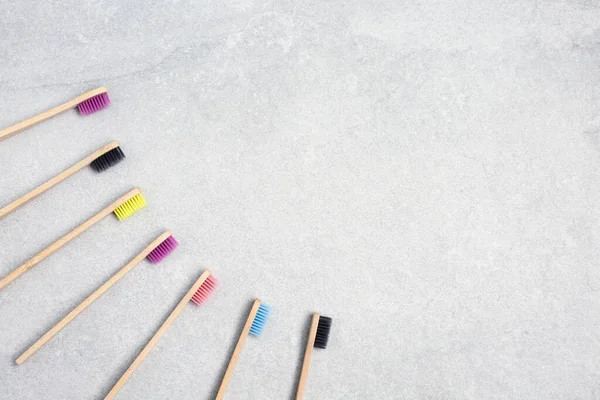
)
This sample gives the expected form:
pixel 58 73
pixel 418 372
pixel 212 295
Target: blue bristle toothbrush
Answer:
pixel 257 318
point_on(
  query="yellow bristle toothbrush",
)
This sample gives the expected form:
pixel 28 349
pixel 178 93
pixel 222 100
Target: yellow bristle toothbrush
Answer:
pixel 123 207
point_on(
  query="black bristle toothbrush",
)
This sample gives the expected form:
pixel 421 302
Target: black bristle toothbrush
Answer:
pixel 318 336
pixel 100 160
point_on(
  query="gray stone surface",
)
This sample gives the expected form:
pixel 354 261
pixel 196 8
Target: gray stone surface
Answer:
pixel 424 172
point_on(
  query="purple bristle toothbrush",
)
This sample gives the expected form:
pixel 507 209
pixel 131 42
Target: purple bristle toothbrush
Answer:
pixel 86 103
pixel 155 252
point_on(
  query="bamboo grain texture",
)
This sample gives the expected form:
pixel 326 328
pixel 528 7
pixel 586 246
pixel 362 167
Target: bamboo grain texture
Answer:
pixel 238 350
pixel 307 355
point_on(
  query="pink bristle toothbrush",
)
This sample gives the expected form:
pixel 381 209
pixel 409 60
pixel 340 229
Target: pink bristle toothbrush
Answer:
pixel 86 103
pixel 198 294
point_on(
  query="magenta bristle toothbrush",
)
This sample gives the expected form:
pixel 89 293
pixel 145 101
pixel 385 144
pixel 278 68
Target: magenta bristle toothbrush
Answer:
pixel 86 103
pixel 155 252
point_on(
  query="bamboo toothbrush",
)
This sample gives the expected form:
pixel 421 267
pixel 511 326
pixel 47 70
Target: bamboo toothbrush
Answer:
pixel 317 337
pixel 255 324
pixel 100 160
pixel 198 293
pixel 161 247
pixel 123 207
pixel 86 103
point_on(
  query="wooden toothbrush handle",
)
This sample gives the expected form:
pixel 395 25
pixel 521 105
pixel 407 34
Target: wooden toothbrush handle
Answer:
pixel 307 354
pixel 91 298
pixel 19 126
pixel 161 331
pixel 65 239
pixel 238 350
pixel 4 211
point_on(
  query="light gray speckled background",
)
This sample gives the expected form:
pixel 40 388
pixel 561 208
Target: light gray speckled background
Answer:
pixel 425 172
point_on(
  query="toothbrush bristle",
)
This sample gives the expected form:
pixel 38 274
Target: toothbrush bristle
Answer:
pixel 260 320
pixel 163 250
pixel 205 290
pixel 108 159
pixel 130 207
pixel 94 104
pixel 323 332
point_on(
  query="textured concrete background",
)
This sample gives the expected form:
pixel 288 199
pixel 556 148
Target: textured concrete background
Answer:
pixel 424 172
